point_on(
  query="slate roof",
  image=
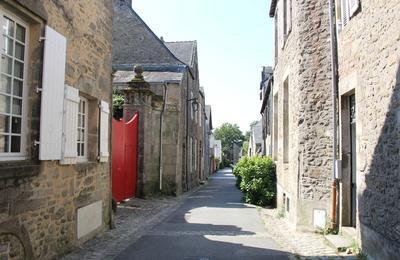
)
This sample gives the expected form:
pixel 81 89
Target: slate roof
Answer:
pixel 122 77
pixel 272 8
pixel 183 50
pixel 134 42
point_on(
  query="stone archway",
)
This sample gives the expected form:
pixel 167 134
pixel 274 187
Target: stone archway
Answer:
pixel 14 240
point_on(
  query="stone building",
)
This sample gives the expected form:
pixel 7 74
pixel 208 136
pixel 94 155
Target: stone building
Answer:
pixel 266 86
pixel 369 113
pixel 302 133
pixel 171 70
pixel 255 140
pixel 55 91
pixel 209 154
pixel 368 158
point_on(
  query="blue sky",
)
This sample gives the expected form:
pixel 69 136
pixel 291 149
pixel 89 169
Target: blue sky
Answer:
pixel 234 40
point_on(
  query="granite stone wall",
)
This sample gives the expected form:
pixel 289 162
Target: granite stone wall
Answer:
pixel 369 67
pixel 39 199
pixel 303 61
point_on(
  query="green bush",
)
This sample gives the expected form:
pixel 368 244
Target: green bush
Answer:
pixel 256 178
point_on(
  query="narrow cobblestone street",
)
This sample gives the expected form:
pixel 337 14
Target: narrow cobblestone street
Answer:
pixel 208 223
pixel 212 223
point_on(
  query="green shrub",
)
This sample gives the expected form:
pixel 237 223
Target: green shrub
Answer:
pixel 256 178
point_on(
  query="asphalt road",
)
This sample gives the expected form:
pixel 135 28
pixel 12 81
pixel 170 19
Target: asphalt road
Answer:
pixel 212 223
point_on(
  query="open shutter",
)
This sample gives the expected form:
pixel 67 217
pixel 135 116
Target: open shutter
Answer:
pixel 353 7
pixel 70 126
pixel 51 115
pixel 104 133
pixel 289 15
pixel 345 12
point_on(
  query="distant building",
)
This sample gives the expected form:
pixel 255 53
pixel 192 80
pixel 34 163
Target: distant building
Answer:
pixel 266 111
pixel 256 140
pixel 171 69
pixel 209 154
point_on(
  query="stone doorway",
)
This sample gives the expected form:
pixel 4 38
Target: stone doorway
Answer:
pixel 353 160
pixel 348 183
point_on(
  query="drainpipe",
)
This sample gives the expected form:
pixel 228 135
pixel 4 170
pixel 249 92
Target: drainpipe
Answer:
pixel 187 132
pixel 161 132
pixel 334 64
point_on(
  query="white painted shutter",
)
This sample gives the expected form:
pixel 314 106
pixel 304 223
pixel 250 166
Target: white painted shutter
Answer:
pixel 51 115
pixel 104 131
pixel 70 125
pixel 345 12
pixel 289 15
pixel 353 7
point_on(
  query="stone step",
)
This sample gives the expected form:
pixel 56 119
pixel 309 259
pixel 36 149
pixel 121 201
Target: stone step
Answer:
pixel 338 242
pixel 349 233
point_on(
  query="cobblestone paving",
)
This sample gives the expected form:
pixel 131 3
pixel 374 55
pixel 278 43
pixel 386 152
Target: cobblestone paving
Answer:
pixel 133 219
pixel 303 245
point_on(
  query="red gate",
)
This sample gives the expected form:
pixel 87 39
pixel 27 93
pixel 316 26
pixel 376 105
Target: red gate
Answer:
pixel 124 158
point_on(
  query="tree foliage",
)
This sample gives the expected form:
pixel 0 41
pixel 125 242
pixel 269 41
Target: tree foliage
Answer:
pixel 256 178
pixel 228 134
pixel 118 103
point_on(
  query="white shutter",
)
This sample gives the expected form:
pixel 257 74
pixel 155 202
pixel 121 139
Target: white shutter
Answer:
pixel 104 131
pixel 353 7
pixel 289 15
pixel 70 125
pixel 345 12
pixel 51 114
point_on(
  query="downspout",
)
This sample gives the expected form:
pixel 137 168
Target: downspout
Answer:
pixel 334 64
pixel 187 132
pixel 161 132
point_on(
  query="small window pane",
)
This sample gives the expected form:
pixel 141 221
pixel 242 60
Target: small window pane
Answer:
pixel 20 33
pixel 8 27
pixel 16 125
pixel 82 135
pixel 9 46
pixel 6 65
pixel 78 135
pixel 83 121
pixel 18 69
pixel 4 139
pixel 79 149
pixel 17 88
pixel 19 51
pixel 82 149
pixel 17 106
pixel 5 84
pixel 4 104
pixel 4 124
pixel 15 144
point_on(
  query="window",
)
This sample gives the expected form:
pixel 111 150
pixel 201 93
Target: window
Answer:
pixel 13 42
pixel 82 129
pixel 276 126
pixel 286 121
pixel 200 112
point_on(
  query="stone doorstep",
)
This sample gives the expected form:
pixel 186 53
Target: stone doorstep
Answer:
pixel 349 233
pixel 338 242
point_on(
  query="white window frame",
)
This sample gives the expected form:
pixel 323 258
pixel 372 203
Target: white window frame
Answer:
pixel 84 157
pixel 9 156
